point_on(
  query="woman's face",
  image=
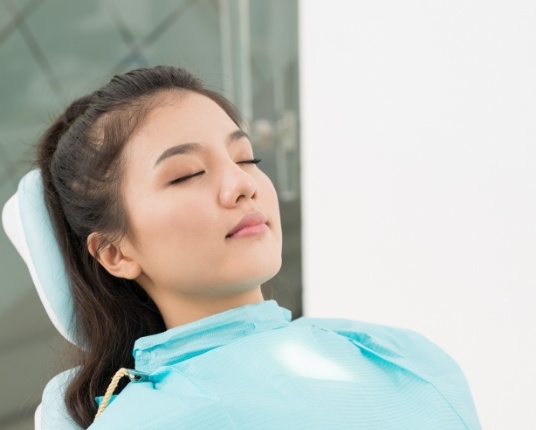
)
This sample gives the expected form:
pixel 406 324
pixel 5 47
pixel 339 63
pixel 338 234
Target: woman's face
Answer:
pixel 204 218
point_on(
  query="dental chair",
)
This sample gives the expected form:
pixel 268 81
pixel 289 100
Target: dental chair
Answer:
pixel 27 224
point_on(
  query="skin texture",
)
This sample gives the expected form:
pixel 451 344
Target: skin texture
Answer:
pixel 178 250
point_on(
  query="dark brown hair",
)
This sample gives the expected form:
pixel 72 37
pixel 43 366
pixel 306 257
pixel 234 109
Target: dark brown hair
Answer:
pixel 80 157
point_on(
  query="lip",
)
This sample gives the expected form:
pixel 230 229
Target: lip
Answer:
pixel 252 224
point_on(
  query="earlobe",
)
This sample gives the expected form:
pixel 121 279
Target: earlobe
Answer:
pixel 111 257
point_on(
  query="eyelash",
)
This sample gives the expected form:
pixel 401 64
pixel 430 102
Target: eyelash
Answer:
pixel 185 178
pixel 252 161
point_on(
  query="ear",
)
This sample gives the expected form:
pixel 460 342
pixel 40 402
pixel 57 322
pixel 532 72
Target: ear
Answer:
pixel 112 258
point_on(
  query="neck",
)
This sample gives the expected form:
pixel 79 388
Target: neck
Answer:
pixel 182 310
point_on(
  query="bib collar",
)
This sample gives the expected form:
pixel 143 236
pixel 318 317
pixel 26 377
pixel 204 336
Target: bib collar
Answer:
pixel 195 338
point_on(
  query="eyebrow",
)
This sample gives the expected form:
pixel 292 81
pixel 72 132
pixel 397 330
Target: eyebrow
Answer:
pixel 188 148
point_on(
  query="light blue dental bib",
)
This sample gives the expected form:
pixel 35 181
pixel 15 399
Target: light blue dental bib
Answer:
pixel 251 368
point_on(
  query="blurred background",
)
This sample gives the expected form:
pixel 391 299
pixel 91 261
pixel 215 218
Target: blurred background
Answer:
pixel 52 51
pixel 401 137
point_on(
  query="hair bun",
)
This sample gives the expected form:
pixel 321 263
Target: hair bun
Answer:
pixel 49 142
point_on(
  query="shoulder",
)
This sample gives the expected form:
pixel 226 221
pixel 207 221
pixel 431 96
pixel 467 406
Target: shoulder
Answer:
pixel 382 340
pixel 54 413
pixel 410 351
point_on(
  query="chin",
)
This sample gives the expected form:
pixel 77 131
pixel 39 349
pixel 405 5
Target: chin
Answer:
pixel 259 277
pixel 260 262
pixel 271 272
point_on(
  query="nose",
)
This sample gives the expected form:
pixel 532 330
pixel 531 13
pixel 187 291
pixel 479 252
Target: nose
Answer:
pixel 236 185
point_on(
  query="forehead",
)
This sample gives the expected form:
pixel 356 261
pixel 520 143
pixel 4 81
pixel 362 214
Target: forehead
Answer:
pixel 184 112
pixel 178 117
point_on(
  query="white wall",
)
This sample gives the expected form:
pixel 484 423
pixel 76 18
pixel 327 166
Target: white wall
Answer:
pixel 419 180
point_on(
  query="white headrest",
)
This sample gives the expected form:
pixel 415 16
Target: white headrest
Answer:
pixel 27 224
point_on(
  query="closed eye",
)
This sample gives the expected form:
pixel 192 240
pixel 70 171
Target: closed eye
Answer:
pixel 252 161
pixel 201 172
pixel 185 178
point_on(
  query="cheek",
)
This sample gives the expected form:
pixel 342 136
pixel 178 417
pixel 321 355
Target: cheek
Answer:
pixel 270 194
pixel 177 222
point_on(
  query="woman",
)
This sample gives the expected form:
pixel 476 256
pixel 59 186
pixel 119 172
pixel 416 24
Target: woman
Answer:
pixel 168 228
